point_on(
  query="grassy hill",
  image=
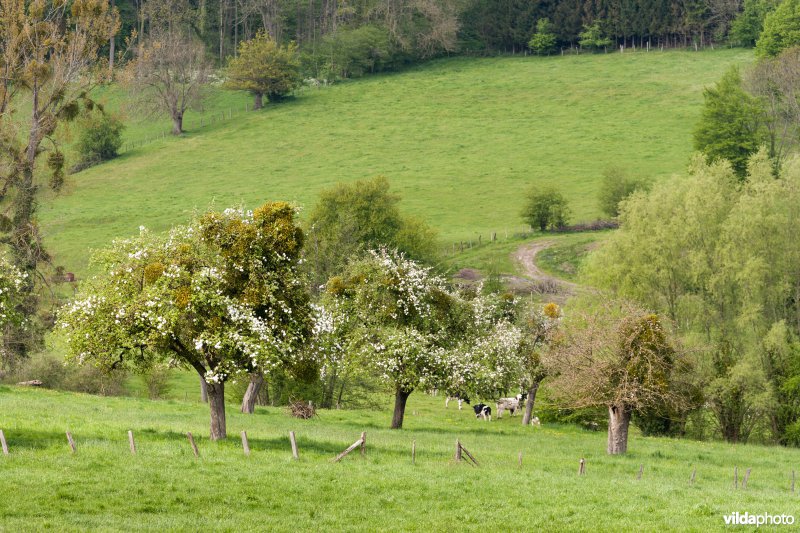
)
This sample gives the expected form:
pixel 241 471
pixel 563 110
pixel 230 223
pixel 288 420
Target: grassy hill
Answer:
pixel 164 486
pixel 461 139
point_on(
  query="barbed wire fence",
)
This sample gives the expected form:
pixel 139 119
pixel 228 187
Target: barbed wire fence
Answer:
pixel 205 119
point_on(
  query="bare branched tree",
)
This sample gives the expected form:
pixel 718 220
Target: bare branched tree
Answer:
pixel 777 83
pixel 168 76
pixel 619 357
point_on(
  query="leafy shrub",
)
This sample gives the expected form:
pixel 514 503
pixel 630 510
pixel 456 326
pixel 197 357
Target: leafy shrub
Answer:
pixel 545 209
pixel 593 38
pixel 544 40
pixel 157 380
pixel 351 53
pixel 100 139
pixel 615 187
pixel 51 370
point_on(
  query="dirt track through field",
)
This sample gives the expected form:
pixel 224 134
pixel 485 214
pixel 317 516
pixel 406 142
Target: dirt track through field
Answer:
pixel 526 257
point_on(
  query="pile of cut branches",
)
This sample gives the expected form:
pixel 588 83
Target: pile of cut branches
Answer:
pixel 302 409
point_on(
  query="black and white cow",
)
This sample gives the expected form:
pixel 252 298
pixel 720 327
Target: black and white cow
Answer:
pixel 482 411
pixel 510 404
pixel 461 399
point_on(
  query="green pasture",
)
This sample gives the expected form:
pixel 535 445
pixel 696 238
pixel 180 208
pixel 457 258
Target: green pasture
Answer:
pixel 461 139
pixel 164 487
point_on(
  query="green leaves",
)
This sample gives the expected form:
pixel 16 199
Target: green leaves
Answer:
pixel 264 67
pixel 730 127
pixel 222 295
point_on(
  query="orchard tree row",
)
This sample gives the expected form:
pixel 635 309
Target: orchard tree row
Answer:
pixel 226 297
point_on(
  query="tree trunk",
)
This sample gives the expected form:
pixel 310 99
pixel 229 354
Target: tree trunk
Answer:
pixel 619 418
pixel 329 390
pixel 400 399
pixel 216 400
pixel 177 123
pixel 203 390
pixel 111 45
pixel 258 101
pixel 250 396
pixel 263 395
pixel 526 418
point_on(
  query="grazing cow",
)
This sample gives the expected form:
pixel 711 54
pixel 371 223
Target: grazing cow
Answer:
pixel 460 401
pixel 511 404
pixel 483 411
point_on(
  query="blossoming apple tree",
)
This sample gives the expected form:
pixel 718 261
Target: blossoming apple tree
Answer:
pixel 222 295
pixel 405 317
pixel 12 291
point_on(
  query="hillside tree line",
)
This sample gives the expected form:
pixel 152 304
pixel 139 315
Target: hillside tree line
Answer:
pixel 344 38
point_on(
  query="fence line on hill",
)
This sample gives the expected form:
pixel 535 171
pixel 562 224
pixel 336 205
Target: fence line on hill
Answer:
pixel 206 119
pixel 361 444
pixel 522 232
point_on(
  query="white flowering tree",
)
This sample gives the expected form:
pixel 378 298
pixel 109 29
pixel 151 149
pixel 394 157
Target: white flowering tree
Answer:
pixel 222 295
pixel 407 317
pixel 13 287
pixel 483 363
pixel 540 329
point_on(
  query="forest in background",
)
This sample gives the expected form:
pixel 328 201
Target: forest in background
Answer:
pixel 341 38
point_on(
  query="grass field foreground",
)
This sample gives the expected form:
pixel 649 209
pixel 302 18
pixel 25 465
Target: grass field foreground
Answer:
pixel 164 486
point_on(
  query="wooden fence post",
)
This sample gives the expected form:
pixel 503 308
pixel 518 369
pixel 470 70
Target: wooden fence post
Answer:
pixel 5 449
pixel 735 477
pixel 746 477
pixel 458 451
pixel 131 442
pixel 414 455
pixel 245 444
pixel 71 442
pixel 294 445
pixel 350 448
pixel 363 443
pixel 691 479
pixel 519 459
pixel 792 472
pixel 582 467
pixel 194 446
pixel 641 469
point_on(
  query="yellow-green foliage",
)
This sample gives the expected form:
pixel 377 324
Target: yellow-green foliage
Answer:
pixel 264 67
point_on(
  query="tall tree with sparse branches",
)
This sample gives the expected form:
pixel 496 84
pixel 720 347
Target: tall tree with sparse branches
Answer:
pixel 168 75
pixel 49 60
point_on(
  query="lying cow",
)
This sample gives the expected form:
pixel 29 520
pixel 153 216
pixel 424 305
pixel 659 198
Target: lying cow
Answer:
pixel 460 401
pixel 511 404
pixel 483 411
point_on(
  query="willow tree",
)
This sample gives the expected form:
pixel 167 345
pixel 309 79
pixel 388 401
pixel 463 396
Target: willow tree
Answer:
pixel 49 60
pixel 619 357
pixel 222 296
pixel 264 67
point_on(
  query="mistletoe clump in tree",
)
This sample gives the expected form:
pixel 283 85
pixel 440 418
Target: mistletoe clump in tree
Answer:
pixel 619 357
pixel 222 295
pixel 405 318
pixel 50 61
